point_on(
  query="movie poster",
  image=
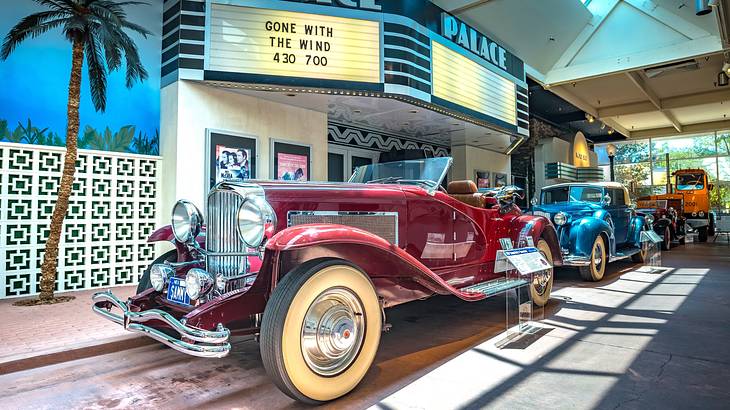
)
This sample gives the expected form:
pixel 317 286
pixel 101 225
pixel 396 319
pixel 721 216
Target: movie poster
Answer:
pixel 292 167
pixel 232 164
pixel 482 179
pixel 500 180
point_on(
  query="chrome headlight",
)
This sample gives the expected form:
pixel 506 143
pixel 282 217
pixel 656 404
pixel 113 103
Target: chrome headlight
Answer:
pixel 197 283
pixel 187 221
pixel 159 275
pixel 649 219
pixel 560 218
pixel 253 215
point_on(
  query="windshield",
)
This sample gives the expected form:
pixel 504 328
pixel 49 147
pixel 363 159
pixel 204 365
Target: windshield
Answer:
pixel 572 194
pixel 690 182
pixel 428 172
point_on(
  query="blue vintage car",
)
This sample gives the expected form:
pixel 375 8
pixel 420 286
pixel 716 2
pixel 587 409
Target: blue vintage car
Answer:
pixel 595 224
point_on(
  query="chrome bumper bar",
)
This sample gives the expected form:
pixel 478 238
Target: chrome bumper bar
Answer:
pixel 576 260
pixel 208 343
pixel 698 223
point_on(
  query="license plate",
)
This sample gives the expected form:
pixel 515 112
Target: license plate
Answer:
pixel 176 291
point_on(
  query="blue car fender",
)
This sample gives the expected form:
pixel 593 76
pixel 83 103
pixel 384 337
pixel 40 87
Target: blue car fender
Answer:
pixel 583 233
pixel 638 224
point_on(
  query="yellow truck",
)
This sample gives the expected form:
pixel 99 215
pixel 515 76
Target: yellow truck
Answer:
pixel 694 186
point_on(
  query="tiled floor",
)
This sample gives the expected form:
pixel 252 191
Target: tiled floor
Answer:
pixel 36 329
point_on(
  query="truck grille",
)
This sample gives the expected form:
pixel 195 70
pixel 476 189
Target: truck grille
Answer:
pixel 383 224
pixel 222 234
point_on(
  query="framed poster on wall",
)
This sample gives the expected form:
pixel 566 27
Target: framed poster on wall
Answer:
pixel 482 179
pixel 291 161
pixel 500 180
pixel 230 157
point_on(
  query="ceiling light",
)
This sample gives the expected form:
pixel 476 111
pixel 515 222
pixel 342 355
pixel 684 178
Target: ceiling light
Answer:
pixel 590 118
pixel 702 8
pixel 726 68
pixel 610 131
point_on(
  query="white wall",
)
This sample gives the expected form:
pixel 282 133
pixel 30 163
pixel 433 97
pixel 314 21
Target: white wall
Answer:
pixel 467 159
pixel 189 108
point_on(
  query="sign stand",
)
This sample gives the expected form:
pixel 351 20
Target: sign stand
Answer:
pixel 521 267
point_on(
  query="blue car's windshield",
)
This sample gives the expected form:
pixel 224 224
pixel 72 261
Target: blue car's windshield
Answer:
pixel 690 182
pixel 571 194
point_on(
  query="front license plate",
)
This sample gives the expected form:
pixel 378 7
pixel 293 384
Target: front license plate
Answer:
pixel 176 291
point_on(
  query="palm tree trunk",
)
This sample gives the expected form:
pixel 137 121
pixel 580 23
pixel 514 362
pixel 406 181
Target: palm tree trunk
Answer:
pixel 50 258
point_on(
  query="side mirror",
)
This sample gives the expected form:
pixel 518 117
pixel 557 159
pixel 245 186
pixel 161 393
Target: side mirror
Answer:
pixel 607 199
pixel 533 201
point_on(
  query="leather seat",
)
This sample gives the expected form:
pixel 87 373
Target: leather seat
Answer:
pixel 466 192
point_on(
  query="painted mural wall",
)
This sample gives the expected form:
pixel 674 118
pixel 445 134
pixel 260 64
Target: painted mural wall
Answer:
pixel 35 88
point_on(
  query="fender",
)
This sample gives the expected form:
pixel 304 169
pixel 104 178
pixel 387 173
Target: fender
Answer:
pixel 381 260
pixel 583 233
pixel 163 234
pixel 538 227
pixel 638 224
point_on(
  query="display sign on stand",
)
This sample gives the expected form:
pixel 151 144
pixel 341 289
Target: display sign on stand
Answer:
pixel 651 246
pixel 521 266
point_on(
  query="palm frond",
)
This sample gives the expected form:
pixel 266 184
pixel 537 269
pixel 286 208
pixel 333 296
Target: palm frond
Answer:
pixel 97 72
pixel 31 26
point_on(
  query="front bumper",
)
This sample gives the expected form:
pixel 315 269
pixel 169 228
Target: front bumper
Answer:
pixel 698 223
pixel 193 341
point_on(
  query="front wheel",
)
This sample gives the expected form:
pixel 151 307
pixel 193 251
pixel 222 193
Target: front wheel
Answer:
pixel 542 282
pixel 320 331
pixel 702 234
pixel 667 242
pixel 594 272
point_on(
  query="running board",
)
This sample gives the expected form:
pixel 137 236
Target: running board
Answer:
pixel 494 286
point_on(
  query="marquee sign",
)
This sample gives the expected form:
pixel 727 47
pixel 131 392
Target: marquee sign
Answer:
pixel 285 43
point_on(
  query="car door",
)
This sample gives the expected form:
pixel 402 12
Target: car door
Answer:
pixel 620 213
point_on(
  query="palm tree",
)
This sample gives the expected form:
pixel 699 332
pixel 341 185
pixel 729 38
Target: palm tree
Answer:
pixel 96 30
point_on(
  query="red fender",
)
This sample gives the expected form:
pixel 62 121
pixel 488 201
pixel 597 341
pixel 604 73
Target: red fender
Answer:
pixel 163 234
pixel 538 227
pixel 384 259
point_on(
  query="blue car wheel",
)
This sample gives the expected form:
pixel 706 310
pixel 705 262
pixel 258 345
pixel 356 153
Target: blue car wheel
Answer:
pixel 597 267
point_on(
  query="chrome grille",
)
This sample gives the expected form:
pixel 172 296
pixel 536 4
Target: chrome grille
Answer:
pixel 383 224
pixel 222 234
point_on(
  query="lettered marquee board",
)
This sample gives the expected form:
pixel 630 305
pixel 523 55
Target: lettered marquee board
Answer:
pixel 411 50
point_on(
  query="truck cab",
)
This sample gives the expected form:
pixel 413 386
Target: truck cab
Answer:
pixel 694 185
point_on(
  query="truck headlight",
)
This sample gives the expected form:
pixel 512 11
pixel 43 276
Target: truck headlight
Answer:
pixel 159 275
pixel 694 214
pixel 560 219
pixel 702 214
pixel 187 221
pixel 197 283
pixel 253 215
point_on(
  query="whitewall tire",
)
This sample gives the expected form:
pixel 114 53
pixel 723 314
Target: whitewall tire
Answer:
pixel 597 267
pixel 320 330
pixel 542 283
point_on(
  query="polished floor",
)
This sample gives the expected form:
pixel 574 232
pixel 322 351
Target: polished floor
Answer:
pixel 638 339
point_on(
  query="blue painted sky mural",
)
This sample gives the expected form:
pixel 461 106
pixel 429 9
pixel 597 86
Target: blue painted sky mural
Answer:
pixel 35 78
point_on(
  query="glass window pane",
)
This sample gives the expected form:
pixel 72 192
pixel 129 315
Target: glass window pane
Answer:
pixel 723 142
pixel 631 152
pixel 697 146
pixel 724 168
pixel 708 164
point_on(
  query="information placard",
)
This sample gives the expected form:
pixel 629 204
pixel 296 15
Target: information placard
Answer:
pixel 293 44
pixel 527 260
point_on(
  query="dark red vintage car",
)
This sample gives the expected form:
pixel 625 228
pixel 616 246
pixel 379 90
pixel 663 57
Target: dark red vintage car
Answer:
pixel 332 257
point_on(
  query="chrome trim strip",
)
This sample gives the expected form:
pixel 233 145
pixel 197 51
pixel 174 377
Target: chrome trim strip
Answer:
pixel 216 341
pixel 347 213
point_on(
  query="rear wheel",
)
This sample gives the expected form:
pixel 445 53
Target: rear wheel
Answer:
pixel 594 272
pixel 320 331
pixel 667 243
pixel 702 234
pixel 542 282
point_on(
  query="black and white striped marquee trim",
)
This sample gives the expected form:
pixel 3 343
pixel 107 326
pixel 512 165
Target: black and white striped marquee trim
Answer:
pixel 183 40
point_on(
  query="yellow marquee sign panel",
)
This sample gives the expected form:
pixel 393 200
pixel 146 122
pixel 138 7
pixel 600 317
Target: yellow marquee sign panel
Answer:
pixel 461 80
pixel 292 44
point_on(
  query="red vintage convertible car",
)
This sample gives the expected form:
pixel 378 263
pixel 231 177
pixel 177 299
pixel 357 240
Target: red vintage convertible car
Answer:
pixel 333 257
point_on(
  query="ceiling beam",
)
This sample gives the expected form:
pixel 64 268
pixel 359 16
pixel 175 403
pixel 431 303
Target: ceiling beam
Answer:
pixel 599 11
pixel 692 128
pixel 640 82
pixel 709 97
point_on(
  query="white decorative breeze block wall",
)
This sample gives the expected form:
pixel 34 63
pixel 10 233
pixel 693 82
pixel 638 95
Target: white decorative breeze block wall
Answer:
pixel 112 210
